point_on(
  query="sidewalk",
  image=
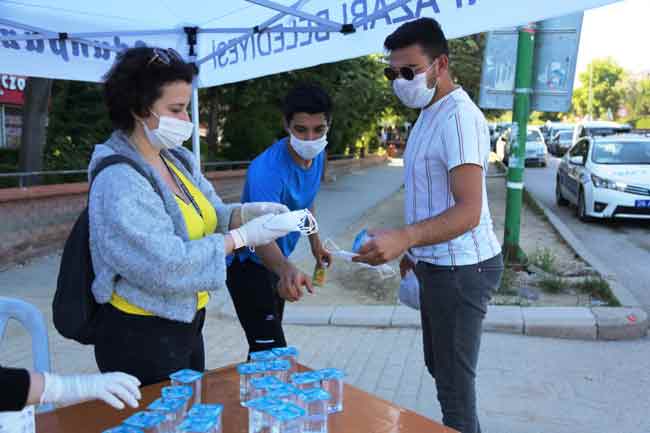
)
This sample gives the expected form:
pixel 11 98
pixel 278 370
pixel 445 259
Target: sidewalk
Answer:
pixel 526 384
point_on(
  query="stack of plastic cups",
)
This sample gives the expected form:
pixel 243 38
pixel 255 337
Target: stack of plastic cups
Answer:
pixel 315 402
pixel 262 356
pixel 248 372
pixel 279 368
pixel 172 409
pixel 262 385
pixel 306 380
pixel 287 418
pixel 148 422
pixel 285 392
pixel 183 392
pixel 200 425
pixel 258 418
pixel 290 354
pixel 123 429
pixel 209 411
pixel 190 378
pixel 332 382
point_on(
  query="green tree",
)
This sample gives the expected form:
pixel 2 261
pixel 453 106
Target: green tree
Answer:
pixel 638 97
pixel 607 89
pixel 78 121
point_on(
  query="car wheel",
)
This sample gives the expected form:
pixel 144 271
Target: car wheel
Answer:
pixel 559 198
pixel 582 208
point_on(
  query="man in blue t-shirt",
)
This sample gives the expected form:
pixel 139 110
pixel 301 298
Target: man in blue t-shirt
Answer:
pixel 288 172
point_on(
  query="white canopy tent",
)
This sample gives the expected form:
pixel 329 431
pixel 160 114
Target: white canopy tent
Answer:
pixel 233 40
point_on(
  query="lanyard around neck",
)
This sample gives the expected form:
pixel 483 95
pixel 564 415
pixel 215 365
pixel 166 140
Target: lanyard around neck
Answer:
pixel 179 183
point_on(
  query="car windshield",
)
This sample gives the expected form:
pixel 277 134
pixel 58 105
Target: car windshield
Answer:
pixel 533 136
pixel 607 131
pixel 566 135
pixel 622 152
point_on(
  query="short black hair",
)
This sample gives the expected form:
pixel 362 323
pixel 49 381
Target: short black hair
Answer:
pixel 425 32
pixel 134 83
pixel 307 98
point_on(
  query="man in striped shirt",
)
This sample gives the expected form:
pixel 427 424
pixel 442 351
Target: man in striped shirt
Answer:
pixel 448 238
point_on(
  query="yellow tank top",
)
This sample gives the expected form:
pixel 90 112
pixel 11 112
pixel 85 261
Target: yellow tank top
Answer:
pixel 198 226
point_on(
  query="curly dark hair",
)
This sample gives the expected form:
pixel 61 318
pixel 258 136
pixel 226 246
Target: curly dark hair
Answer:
pixel 307 98
pixel 135 82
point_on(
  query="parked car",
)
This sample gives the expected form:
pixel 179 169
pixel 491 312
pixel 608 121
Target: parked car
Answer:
pixel 556 127
pixel 536 151
pixel 606 177
pixel 561 142
pixel 598 129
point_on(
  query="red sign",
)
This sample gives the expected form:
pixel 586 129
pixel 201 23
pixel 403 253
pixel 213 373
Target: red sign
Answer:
pixel 11 89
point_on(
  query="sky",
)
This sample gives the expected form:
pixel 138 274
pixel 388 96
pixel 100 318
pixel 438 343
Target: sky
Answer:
pixel 620 30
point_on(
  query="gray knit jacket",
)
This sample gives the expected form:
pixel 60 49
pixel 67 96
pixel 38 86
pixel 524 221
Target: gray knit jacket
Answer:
pixel 142 238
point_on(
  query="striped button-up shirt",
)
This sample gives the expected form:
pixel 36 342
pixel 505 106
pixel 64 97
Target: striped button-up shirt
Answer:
pixel 450 133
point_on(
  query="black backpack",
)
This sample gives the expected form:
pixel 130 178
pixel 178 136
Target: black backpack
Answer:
pixel 74 307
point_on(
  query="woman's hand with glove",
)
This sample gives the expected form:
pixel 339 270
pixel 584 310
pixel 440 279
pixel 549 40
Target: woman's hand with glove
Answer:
pixel 257 232
pixel 250 211
pixel 113 388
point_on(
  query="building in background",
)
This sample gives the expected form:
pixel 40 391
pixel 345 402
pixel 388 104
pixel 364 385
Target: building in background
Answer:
pixel 11 104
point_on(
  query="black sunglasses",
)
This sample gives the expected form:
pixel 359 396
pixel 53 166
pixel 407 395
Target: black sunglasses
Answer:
pixel 404 72
pixel 165 56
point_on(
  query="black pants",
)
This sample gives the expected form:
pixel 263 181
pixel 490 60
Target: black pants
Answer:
pixel 148 347
pixel 253 290
pixel 453 303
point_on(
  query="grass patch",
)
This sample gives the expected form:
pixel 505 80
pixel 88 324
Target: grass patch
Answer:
pixel 544 259
pixel 553 284
pixel 508 280
pixel 598 288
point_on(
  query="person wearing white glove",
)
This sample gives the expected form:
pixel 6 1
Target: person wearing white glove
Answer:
pixel 27 388
pixel 160 235
pixel 250 211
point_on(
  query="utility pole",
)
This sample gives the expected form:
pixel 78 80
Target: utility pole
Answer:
pixel 521 111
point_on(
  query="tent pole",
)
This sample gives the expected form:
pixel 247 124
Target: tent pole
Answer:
pixel 196 138
pixel 290 10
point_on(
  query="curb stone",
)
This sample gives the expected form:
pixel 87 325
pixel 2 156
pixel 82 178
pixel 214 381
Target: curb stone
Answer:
pixel 598 323
pixel 615 323
pixel 364 315
pixel 560 322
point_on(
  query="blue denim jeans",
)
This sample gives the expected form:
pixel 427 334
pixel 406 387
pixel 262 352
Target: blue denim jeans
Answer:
pixel 453 303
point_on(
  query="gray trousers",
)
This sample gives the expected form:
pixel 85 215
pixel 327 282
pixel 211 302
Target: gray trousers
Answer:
pixel 453 303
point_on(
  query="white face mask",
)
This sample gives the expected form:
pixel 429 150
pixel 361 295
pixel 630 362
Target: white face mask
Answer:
pixel 297 221
pixel 171 132
pixel 415 93
pixel 308 149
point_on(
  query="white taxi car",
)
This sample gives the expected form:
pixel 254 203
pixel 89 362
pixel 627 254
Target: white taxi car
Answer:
pixel 606 177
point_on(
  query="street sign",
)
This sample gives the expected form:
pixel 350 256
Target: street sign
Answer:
pixel 556 53
pixel 11 89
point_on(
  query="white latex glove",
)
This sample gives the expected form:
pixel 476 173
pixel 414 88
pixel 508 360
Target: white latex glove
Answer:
pixel 113 388
pixel 254 233
pixel 250 211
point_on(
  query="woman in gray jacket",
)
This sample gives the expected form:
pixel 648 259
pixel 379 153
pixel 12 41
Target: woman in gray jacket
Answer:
pixel 158 255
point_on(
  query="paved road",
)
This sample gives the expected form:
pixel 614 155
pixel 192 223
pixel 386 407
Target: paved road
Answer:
pixel 623 245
